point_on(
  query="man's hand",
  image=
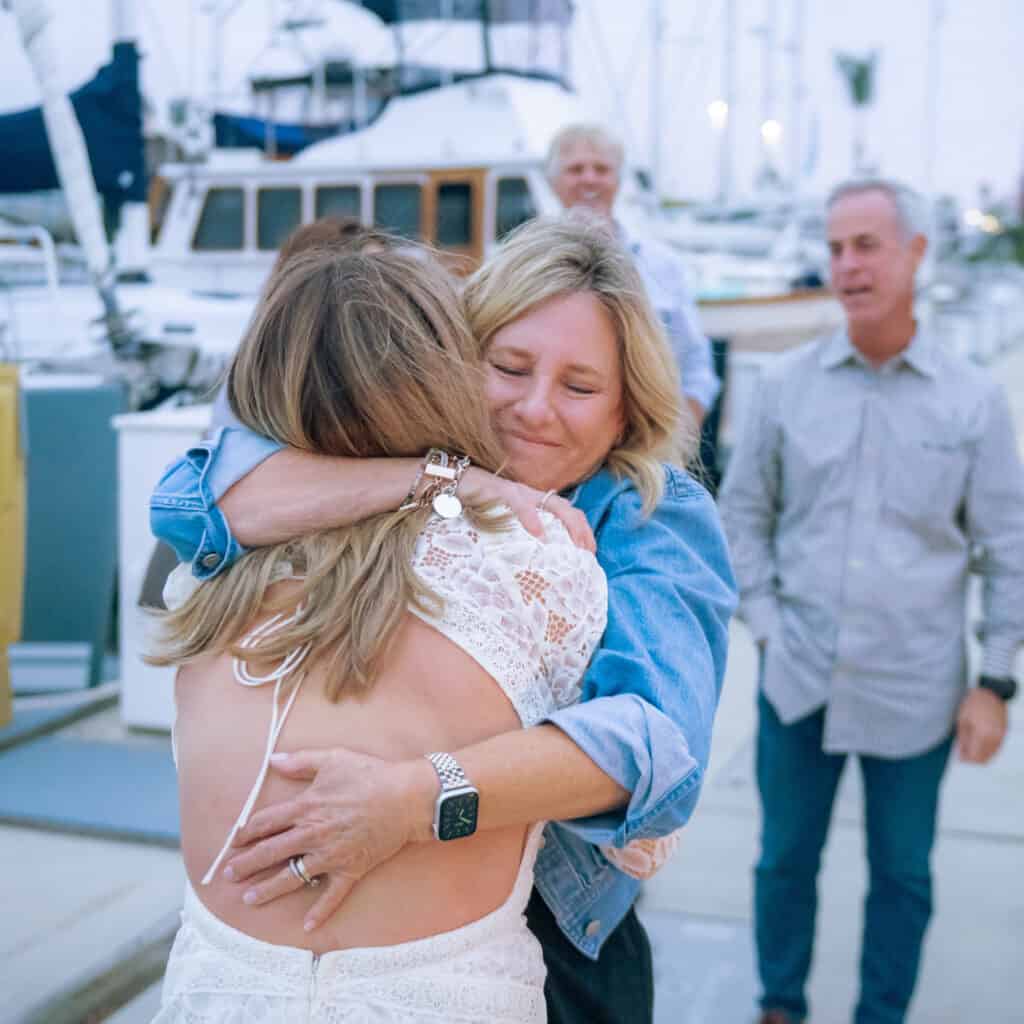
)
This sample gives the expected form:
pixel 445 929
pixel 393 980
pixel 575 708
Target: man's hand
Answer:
pixel 479 485
pixel 357 812
pixel 980 726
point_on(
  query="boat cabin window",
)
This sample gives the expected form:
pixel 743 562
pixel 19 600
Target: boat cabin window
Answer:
pixel 222 222
pixel 515 205
pixel 338 201
pixel 454 214
pixel 396 208
pixel 278 214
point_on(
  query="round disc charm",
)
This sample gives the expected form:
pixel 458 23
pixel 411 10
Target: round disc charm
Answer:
pixel 447 506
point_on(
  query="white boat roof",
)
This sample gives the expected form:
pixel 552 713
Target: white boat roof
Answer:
pixel 491 120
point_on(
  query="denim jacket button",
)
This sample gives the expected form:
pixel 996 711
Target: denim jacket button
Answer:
pixel 211 560
pixel 592 929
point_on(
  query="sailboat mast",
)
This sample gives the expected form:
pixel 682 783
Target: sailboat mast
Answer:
pixel 216 57
pixel 656 126
pixel 131 243
pixel 933 83
pixel 796 96
pixel 727 143
pixel 70 157
pixel 768 88
pixel 485 32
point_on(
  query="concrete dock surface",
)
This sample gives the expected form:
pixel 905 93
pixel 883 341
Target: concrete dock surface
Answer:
pixel 86 922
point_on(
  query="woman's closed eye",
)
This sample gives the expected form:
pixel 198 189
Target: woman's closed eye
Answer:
pixel 575 387
pixel 510 371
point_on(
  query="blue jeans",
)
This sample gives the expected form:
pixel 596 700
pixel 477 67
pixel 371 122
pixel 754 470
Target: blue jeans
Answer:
pixel 797 782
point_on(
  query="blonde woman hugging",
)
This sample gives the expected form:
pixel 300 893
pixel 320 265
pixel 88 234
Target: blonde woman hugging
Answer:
pixel 365 881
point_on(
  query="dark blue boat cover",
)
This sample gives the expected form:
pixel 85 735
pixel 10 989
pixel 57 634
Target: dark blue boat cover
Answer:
pixel 237 130
pixel 109 110
pixel 494 11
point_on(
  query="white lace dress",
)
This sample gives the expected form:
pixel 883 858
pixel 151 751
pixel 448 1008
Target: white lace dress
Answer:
pixel 531 613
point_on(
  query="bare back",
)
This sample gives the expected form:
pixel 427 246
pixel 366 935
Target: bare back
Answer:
pixel 431 696
pixel 480 669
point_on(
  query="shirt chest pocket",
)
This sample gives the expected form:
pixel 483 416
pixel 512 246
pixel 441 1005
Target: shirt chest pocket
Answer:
pixel 817 455
pixel 926 477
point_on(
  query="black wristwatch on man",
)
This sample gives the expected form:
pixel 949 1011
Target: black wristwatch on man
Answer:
pixel 1005 688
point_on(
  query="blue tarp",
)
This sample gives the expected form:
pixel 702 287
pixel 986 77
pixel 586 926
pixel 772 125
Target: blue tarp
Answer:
pixel 109 109
pixel 493 11
pixel 235 130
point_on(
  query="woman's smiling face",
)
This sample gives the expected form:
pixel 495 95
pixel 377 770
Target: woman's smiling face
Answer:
pixel 554 385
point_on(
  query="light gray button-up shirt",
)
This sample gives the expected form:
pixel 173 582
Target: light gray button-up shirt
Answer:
pixel 853 503
pixel 664 277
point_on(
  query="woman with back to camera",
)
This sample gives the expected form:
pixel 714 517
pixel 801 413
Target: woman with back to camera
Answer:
pixel 582 390
pixel 407 635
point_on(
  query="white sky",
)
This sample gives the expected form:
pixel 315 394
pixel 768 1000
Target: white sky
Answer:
pixel 979 131
pixel 980 124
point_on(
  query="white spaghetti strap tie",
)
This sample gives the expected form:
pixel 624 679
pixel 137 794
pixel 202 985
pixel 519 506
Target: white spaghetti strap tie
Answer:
pixel 289 664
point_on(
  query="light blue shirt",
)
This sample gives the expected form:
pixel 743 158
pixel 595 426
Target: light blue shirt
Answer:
pixel 857 501
pixel 664 277
pixel 650 692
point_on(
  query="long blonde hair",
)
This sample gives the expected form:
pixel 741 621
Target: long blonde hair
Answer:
pixel 348 354
pixel 544 259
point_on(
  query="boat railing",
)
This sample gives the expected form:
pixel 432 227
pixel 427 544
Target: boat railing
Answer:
pixel 28 256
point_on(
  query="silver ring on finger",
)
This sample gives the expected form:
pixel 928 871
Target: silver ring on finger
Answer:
pixel 297 866
pixel 544 500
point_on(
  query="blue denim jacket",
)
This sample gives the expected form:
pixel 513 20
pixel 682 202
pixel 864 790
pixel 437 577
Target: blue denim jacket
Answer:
pixel 649 695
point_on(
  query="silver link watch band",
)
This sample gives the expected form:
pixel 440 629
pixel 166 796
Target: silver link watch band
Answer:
pixel 449 771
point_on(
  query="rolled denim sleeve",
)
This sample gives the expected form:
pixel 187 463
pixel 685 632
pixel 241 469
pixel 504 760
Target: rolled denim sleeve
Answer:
pixel 651 691
pixel 183 508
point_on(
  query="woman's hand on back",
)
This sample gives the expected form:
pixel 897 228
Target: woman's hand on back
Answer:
pixel 357 812
pixel 479 485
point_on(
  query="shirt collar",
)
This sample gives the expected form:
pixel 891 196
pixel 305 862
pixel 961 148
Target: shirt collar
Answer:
pixel 837 351
pixel 919 354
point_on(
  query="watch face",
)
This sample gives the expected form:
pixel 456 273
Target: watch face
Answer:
pixel 458 816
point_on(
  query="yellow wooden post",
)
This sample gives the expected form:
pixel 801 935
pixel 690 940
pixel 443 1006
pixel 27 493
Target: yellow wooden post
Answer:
pixel 12 529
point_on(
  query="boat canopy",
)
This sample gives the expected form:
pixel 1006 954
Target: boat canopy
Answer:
pixel 109 109
pixel 496 12
pixel 246 131
pixel 238 131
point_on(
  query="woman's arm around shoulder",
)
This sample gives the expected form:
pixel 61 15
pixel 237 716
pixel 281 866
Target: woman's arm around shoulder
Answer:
pixel 238 489
pixel 183 508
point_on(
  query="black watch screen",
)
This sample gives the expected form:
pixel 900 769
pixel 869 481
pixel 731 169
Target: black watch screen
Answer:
pixel 457 818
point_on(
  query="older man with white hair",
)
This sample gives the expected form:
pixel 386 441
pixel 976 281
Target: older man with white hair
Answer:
pixel 584 169
pixel 875 471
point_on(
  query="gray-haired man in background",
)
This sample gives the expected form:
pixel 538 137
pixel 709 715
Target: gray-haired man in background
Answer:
pixel 584 169
pixel 873 466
